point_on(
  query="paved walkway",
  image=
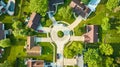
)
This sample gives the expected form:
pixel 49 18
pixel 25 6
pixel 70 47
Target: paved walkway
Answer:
pixel 52 18
pixel 44 29
pixel 70 62
pixel 75 23
pixel 60 61
pixel 77 38
pixel 80 61
pixel 38 39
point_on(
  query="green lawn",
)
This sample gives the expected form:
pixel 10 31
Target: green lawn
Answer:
pixel 47 51
pixel 17 51
pixel 94 18
pixel 116 47
pixel 5 55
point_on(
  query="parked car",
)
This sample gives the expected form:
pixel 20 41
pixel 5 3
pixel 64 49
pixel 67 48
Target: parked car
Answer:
pixel 58 56
pixel 49 66
pixel 40 30
pixel 47 63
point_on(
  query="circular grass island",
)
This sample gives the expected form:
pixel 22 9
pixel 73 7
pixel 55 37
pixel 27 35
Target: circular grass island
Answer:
pixel 60 34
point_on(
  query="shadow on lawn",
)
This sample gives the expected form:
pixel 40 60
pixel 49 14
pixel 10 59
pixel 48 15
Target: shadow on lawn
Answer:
pixel 2 17
pixel 103 1
pixel 116 47
pixel 5 55
pixel 91 15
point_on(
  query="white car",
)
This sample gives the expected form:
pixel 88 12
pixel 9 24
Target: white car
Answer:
pixel 10 7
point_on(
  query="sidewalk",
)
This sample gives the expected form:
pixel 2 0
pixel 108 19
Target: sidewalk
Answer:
pixel 38 39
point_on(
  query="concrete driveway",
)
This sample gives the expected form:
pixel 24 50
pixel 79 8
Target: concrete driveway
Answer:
pixel 75 23
pixel 77 38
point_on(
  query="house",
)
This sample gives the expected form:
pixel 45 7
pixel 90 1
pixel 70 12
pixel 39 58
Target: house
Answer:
pixel 2 7
pixel 34 21
pixel 35 63
pixel 53 4
pixel 91 36
pixel 2 31
pixel 31 48
pixel 80 8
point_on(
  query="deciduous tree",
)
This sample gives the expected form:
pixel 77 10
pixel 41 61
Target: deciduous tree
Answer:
pixel 74 49
pixel 85 1
pixel 106 49
pixel 92 58
pixel 17 25
pixel 65 12
pixel 105 24
pixel 117 60
pixel 39 6
pixel 7 64
pixel 109 62
pixel 111 4
pixel 5 43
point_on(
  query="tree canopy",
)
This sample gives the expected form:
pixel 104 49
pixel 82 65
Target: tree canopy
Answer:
pixel 111 4
pixel 85 1
pixel 109 62
pixel 106 49
pixel 5 43
pixel 39 6
pixel 7 64
pixel 92 58
pixel 65 12
pixel 117 60
pixel 105 24
pixel 118 29
pixel 17 25
pixel 74 49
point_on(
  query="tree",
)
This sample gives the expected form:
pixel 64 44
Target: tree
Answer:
pixel 92 58
pixel 118 29
pixel 39 6
pixel 17 34
pixel 85 1
pixel 7 64
pixel 111 4
pixel 5 43
pixel 23 32
pixel 65 12
pixel 17 25
pixel 105 24
pixel 109 62
pixel 106 49
pixel 117 60
pixel 74 49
